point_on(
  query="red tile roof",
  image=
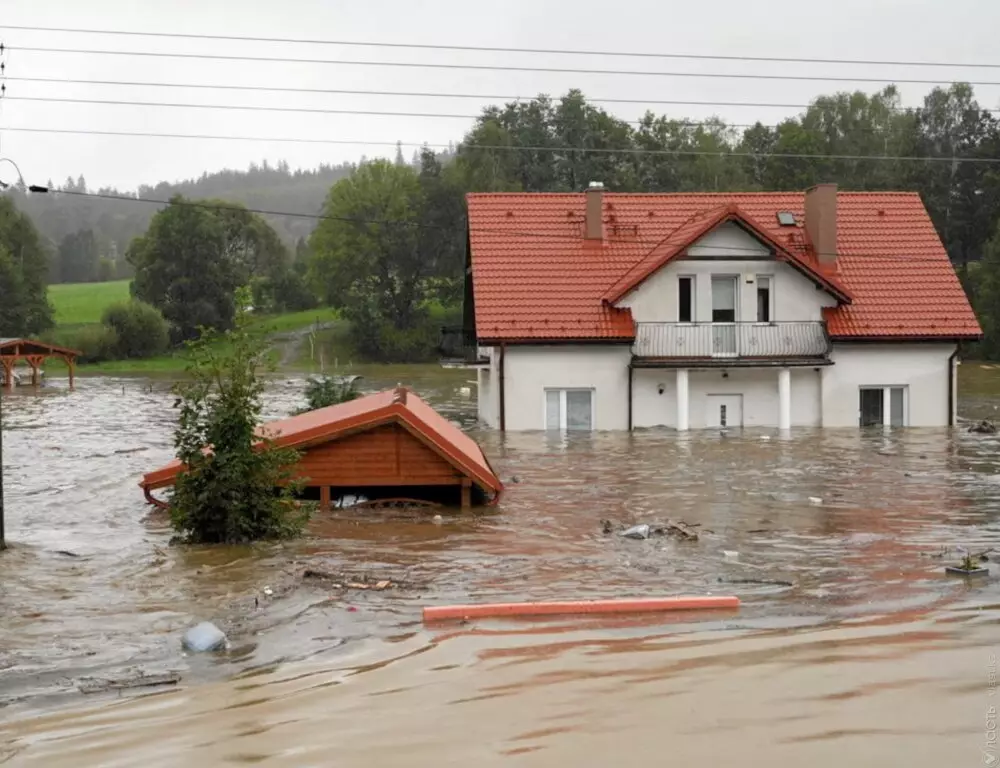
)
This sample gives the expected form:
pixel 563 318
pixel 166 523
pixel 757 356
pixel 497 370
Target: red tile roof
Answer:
pixel 536 278
pixel 398 405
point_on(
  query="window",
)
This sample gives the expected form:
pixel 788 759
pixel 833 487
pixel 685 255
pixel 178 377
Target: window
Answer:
pixel 723 299
pixel 763 299
pixel 569 409
pixel 873 406
pixel 685 299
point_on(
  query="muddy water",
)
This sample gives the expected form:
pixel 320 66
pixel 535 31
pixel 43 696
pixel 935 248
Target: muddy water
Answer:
pixel 850 639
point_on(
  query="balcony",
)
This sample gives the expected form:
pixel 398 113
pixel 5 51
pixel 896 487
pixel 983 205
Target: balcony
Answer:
pixel 720 344
pixel 459 347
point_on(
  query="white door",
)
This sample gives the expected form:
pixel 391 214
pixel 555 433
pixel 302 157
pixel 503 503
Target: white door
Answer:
pixel 724 316
pixel 724 411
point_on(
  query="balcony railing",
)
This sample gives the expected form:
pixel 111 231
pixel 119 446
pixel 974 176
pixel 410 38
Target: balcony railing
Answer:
pixel 722 341
pixel 460 345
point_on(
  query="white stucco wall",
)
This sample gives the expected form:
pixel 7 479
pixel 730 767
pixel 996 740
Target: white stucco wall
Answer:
pixel 488 392
pixel 530 370
pixel 759 388
pixel 794 297
pixel 921 368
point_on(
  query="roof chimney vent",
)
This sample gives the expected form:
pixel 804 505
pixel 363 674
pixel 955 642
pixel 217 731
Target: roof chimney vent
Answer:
pixel 821 222
pixel 594 229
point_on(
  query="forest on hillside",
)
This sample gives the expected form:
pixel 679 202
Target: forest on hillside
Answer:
pixel 392 247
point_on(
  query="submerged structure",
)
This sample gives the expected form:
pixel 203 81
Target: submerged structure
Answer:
pixel 386 446
pixel 33 353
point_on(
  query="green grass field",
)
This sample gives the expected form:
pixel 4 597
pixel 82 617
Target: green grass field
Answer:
pixel 79 304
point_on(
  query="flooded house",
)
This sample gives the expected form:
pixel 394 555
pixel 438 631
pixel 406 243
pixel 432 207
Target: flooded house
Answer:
pixel 614 311
pixel 387 447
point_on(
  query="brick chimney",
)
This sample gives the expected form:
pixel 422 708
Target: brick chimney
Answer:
pixel 821 222
pixel 594 229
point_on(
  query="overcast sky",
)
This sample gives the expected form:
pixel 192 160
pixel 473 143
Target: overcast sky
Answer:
pixel 929 30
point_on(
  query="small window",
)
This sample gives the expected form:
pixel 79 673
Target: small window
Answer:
pixel 873 406
pixel 763 299
pixel 685 299
pixel 786 219
pixel 569 409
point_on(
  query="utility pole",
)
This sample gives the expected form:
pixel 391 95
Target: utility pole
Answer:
pixel 3 540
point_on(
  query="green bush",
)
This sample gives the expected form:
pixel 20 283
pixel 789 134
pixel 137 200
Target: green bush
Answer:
pixel 329 390
pixel 96 343
pixel 239 491
pixel 140 329
pixel 287 293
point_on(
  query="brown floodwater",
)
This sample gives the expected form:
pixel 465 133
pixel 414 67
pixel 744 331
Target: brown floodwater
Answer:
pixel 851 643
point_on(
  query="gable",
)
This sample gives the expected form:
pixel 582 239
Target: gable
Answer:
pixel 385 455
pixel 728 241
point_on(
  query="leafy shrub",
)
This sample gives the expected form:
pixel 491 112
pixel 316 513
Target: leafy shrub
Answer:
pixel 239 491
pixel 329 390
pixel 96 343
pixel 140 328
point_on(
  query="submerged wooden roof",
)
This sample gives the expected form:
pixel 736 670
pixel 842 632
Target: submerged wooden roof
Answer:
pixel 400 406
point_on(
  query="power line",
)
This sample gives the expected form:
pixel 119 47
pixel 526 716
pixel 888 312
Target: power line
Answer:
pixel 320 111
pixel 576 239
pixel 418 94
pixel 490 67
pixel 513 148
pixel 497 49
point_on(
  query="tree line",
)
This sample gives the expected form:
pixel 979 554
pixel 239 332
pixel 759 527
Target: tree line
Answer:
pixel 388 246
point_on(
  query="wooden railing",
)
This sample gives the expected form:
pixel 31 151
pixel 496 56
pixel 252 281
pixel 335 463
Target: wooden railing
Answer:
pixel 731 340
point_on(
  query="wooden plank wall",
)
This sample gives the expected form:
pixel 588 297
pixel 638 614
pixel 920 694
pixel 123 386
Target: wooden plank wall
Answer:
pixel 386 455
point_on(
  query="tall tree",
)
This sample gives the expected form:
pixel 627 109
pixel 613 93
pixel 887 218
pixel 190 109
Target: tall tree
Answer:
pixel 77 259
pixel 181 269
pixel 365 255
pixel 24 304
pixel 193 257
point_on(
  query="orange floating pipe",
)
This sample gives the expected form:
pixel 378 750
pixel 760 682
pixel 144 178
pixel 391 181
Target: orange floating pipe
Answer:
pixel 629 605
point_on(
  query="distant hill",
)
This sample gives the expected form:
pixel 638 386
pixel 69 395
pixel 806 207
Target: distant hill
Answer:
pixel 115 222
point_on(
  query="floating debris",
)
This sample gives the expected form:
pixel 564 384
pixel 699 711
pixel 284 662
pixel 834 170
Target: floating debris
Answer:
pixel 637 532
pixel 141 680
pixel 815 500
pixel 984 427
pixel 362 581
pixel 731 554
pixel 767 582
pixel 204 637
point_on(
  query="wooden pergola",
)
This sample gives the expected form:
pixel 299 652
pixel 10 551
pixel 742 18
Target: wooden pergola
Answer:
pixel 34 353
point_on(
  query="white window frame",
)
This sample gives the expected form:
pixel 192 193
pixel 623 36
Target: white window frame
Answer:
pixel 887 417
pixel 562 406
pixel 770 298
pixel 694 299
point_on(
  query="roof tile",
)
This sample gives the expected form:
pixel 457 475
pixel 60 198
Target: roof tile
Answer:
pixel 535 277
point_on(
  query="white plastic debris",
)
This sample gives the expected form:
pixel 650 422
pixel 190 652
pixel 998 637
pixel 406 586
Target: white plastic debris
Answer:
pixel 765 437
pixel 465 391
pixel 815 500
pixel 437 520
pixel 730 553
pixel 637 532
pixel 268 591
pixel 204 637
